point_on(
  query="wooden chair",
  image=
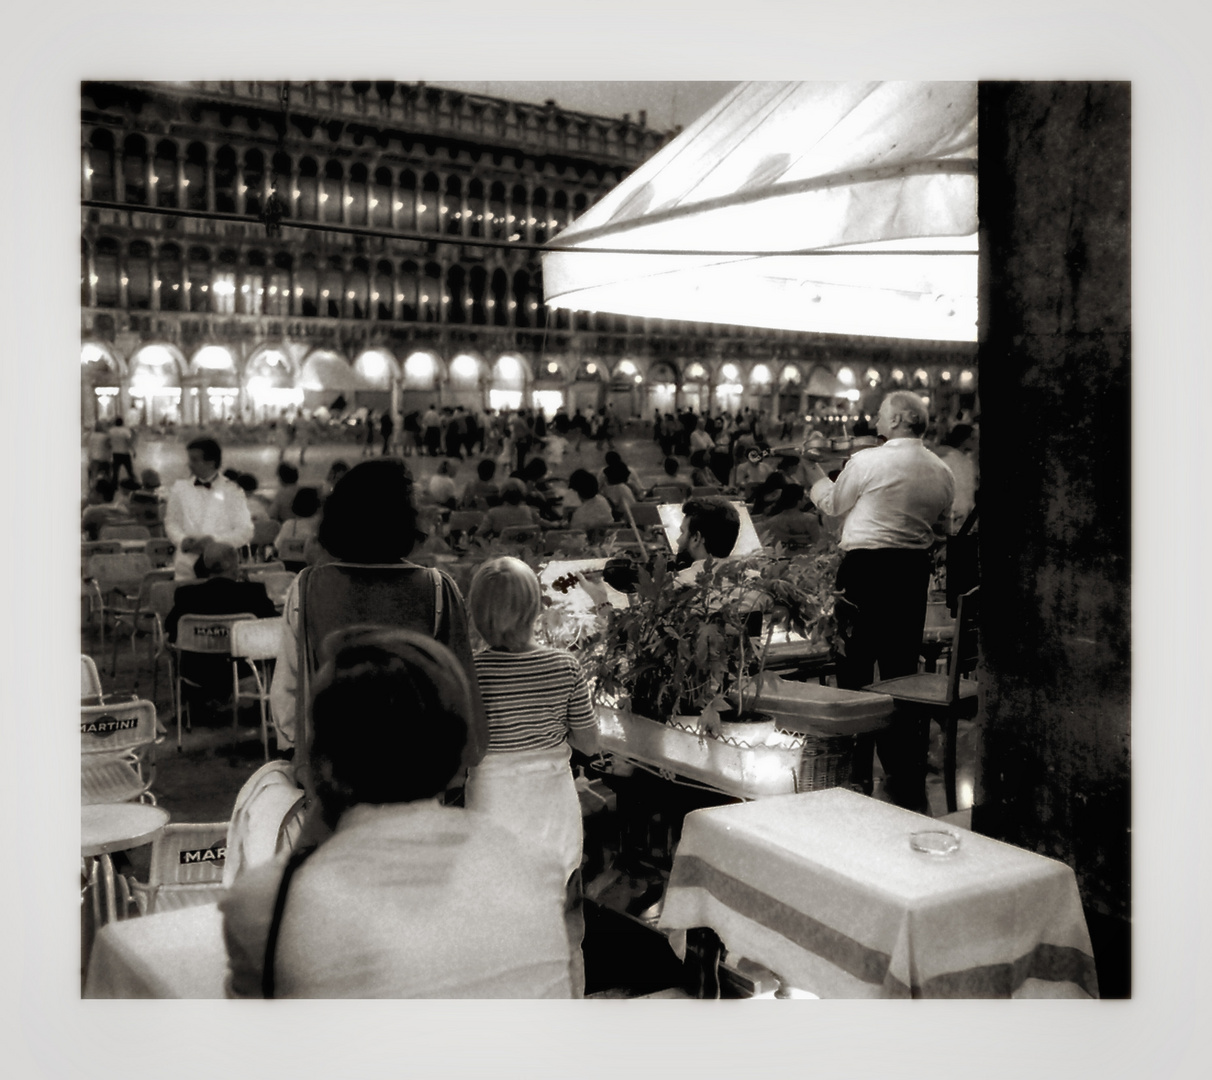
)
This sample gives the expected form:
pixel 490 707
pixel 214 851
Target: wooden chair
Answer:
pixel 945 698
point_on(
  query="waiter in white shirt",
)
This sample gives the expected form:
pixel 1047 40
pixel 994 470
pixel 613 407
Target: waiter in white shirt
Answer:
pixel 205 508
pixel 896 498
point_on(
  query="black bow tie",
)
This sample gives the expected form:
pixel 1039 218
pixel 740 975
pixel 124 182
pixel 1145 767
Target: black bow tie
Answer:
pixel 203 483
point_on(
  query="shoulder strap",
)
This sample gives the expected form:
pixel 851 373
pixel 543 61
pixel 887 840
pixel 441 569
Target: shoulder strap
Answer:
pixel 437 599
pixel 275 923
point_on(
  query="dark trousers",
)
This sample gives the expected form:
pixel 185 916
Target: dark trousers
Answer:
pixel 880 616
pixel 123 461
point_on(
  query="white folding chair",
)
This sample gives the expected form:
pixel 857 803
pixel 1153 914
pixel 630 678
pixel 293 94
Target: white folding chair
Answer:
pixel 109 575
pixel 208 635
pixel 187 864
pixel 117 752
pixel 137 613
pixel 255 641
pixel 90 680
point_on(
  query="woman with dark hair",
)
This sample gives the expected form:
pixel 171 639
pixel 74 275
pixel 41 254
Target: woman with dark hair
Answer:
pixel 368 529
pixel 404 897
pixel 787 523
pixel 298 529
pixel 594 511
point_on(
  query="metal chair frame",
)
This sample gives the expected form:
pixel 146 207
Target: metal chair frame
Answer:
pixel 117 752
pixel 208 635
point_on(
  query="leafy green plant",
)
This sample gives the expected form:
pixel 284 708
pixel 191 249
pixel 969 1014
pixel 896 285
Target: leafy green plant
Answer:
pixel 681 648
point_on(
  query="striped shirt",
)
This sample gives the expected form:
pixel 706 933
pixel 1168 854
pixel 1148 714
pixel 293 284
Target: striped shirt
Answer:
pixel 533 699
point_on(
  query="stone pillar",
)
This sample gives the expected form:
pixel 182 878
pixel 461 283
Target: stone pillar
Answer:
pixel 119 172
pixel 91 271
pixel 1055 472
pixel 149 177
pixel 182 196
pixel 86 171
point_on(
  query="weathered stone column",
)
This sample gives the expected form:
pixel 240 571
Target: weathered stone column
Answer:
pixel 1055 477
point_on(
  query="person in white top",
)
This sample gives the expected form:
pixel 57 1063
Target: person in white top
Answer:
pixel 896 499
pixel 205 508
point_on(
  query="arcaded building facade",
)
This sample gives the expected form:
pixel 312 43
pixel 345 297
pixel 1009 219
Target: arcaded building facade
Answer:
pixel 250 249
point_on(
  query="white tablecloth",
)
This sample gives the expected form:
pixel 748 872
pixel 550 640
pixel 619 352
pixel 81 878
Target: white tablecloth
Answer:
pixel 175 954
pixel 824 889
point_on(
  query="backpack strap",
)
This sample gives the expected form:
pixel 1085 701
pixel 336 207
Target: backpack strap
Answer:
pixel 437 599
pixel 275 923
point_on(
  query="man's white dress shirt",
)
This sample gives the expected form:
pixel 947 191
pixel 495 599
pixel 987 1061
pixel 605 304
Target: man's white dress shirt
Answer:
pixel 220 512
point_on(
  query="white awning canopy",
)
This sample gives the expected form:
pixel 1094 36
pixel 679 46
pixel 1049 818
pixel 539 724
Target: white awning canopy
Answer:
pixel 842 208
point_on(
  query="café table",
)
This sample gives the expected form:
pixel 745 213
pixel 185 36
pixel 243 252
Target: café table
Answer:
pixel 825 889
pixel 109 827
pixel 173 954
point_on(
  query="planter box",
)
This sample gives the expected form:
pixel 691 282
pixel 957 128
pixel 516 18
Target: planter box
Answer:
pixel 822 710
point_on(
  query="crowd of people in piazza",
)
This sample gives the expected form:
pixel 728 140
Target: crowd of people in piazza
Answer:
pixel 399 825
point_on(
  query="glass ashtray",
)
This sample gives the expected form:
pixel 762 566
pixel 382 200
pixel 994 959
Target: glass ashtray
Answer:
pixel 934 842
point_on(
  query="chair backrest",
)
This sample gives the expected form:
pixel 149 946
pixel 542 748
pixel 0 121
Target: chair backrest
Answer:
pixel 161 597
pixel 293 549
pixel 90 680
pixel 663 494
pixel 118 727
pixel 124 532
pixel 189 853
pixel 160 551
pixel 119 571
pixel 207 633
pixel 965 647
pixel 462 521
pixel 89 548
pixel 256 639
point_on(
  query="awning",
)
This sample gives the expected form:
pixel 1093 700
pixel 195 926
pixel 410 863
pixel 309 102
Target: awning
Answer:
pixel 841 208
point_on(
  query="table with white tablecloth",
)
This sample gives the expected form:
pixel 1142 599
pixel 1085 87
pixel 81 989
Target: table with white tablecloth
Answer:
pixel 173 954
pixel 824 889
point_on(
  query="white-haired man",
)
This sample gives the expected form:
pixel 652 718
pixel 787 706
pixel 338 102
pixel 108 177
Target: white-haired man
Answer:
pixel 896 499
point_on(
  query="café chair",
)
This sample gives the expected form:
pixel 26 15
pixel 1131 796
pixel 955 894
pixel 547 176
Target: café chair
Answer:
pixel 293 549
pixel 205 635
pixel 944 697
pixel 255 641
pixel 186 869
pixel 124 532
pixel 90 680
pixel 160 550
pixel 135 613
pixel 160 602
pixel 663 494
pixel 109 576
pixel 117 752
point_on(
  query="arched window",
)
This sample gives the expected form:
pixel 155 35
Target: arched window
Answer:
pixel 307 286
pixel 134 168
pixel 254 181
pixel 541 219
pixel 225 180
pixel 427 212
pixel 277 291
pixel 198 265
pixel 431 293
pixel 580 203
pixel 406 202
pixel 281 178
pixel 169 266
pixel 331 193
pixel 518 218
pixel 381 295
pixel 308 187
pixel 105 267
pixel 223 283
pixel 332 287
pixel 357 289
pixel 101 162
pixel 407 293
pixel 164 171
pixel 478 283
pixel 559 210
pixel 138 275
pixel 379 199
pixel 499 301
pixel 451 208
pixel 456 310
pixel 475 208
pixel 195 177
pixel 252 288
pixel 496 212
pixel 520 304
pixel 357 197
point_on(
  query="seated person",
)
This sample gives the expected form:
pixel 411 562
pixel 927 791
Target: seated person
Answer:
pixel 512 511
pixel 594 512
pixel 617 491
pixel 700 470
pixel 538 491
pixel 482 492
pixel 404 897
pixel 442 488
pixel 101 510
pixel 219 592
pixel 288 485
pixel 788 523
pixel 613 457
pixel 671 479
pixel 258 504
pixel 710 526
pixel 301 526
